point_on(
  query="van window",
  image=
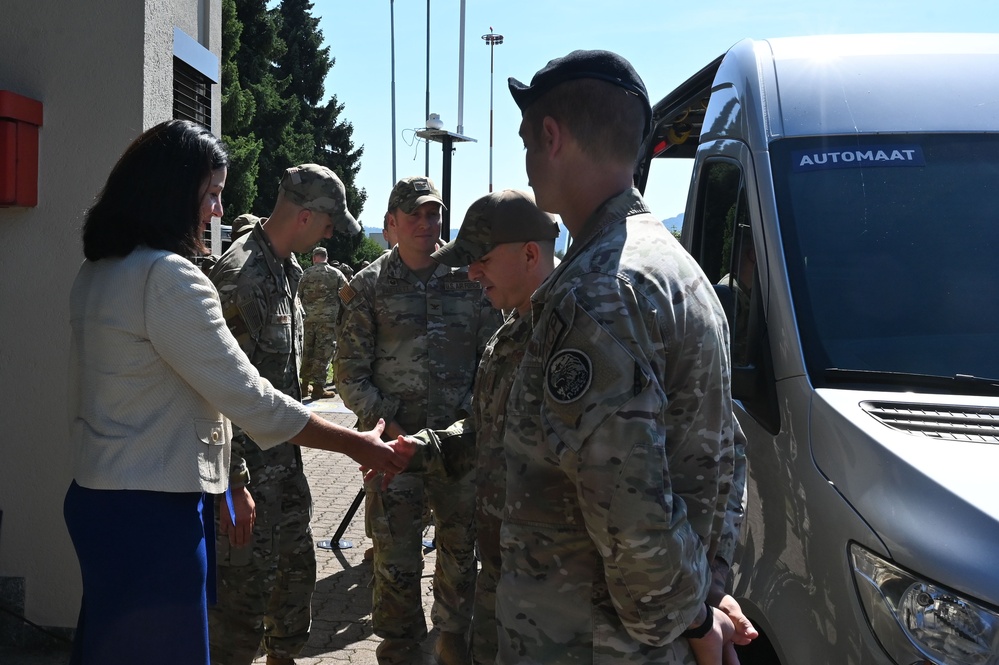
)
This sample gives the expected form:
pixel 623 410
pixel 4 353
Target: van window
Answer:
pixel 724 247
pixel 891 244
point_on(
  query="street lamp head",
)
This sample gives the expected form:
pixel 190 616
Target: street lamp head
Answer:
pixel 492 39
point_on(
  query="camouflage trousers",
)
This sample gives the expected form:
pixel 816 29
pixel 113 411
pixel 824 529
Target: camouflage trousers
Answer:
pixel 318 347
pixel 490 483
pixel 484 639
pixel 265 589
pixel 394 521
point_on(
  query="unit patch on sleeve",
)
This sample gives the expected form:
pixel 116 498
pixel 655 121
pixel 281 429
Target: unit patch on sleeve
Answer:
pixel 569 375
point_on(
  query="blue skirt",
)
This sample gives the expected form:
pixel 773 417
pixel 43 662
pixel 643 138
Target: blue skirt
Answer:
pixel 145 572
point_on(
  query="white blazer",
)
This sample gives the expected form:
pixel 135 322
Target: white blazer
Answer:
pixel 153 368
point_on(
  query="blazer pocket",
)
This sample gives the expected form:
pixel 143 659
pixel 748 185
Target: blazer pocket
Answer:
pixel 211 435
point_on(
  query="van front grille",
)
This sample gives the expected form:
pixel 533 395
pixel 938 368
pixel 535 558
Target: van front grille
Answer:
pixel 978 425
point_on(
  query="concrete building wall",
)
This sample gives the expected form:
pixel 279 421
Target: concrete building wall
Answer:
pixel 103 70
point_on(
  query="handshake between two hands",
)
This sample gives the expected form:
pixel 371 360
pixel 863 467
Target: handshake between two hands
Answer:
pixel 446 453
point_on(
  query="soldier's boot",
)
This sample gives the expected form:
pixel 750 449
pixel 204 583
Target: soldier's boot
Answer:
pixel 452 649
pixel 278 660
pixel 318 392
pixel 398 652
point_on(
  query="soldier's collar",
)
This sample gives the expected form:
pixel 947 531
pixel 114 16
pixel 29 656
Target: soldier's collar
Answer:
pixel 395 267
pixel 616 208
pixel 279 267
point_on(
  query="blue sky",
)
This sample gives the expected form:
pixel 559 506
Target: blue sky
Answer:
pixel 666 42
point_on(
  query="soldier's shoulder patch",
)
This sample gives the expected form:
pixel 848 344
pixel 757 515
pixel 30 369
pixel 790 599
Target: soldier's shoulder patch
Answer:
pixel 347 293
pixel 569 375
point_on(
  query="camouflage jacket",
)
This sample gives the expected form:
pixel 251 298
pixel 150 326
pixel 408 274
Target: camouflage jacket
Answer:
pixel 260 306
pixel 319 293
pixel 408 351
pixel 492 389
pixel 620 428
pixel 483 430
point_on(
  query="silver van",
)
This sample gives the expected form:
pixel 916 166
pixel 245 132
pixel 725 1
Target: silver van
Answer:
pixel 845 199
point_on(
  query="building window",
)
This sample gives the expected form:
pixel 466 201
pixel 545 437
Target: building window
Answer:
pixel 192 98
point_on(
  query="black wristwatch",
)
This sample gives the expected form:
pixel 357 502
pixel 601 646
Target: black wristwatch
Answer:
pixel 702 630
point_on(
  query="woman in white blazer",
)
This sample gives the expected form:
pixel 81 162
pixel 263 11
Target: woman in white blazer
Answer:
pixel 155 376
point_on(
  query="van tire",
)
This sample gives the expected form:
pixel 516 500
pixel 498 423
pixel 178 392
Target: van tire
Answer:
pixel 758 652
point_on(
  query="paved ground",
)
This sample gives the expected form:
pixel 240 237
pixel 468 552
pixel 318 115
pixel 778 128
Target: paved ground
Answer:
pixel 341 607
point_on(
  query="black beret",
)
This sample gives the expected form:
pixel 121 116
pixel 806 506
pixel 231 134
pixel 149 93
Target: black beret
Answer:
pixel 602 65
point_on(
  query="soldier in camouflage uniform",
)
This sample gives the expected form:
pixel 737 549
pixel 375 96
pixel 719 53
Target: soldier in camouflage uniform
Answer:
pixel 319 292
pixel 388 234
pixel 409 340
pixel 243 225
pixel 508 245
pixel 265 590
pixel 347 271
pixel 619 423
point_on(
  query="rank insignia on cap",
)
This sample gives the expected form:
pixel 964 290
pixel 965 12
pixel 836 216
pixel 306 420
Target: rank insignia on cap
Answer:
pixel 421 185
pixel 570 373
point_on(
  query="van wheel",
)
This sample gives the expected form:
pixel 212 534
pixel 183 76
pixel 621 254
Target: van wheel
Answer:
pixel 758 652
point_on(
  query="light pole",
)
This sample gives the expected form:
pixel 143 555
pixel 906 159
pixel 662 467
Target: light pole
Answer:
pixel 392 31
pixel 426 171
pixel 493 40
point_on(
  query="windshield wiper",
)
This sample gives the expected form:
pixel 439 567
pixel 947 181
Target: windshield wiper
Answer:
pixel 962 384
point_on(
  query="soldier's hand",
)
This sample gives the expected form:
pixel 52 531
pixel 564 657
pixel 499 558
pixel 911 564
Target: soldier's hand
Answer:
pixel 716 647
pixel 745 631
pixel 406 446
pixel 240 533
pixel 383 456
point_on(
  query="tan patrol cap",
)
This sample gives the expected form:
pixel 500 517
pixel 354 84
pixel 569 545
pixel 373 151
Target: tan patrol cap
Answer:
pixel 507 216
pixel 243 225
pixel 317 188
pixel 410 193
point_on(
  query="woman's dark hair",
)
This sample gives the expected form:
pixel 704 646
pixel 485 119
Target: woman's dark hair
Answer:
pixel 153 195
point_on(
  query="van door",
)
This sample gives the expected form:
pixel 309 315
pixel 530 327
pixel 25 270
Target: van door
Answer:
pixel 788 557
pixel 719 233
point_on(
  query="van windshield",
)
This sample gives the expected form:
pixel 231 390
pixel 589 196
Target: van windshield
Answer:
pixel 892 245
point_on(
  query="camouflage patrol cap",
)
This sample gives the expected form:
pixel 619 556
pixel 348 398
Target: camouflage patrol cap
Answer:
pixel 242 225
pixel 410 193
pixel 602 65
pixel 317 188
pixel 319 251
pixel 507 216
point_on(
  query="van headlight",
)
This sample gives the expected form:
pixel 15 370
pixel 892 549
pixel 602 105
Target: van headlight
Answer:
pixel 915 619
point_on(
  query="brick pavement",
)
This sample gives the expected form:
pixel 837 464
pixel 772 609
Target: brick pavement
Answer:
pixel 341 607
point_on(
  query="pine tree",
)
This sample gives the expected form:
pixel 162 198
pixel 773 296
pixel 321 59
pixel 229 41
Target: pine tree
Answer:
pixel 304 66
pixel 238 110
pixel 274 71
